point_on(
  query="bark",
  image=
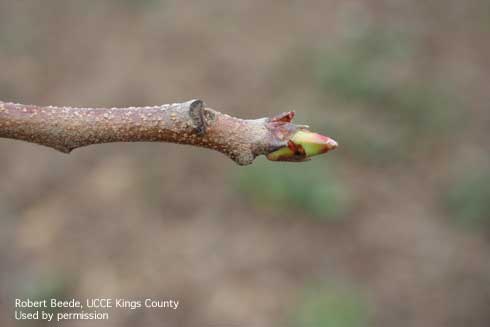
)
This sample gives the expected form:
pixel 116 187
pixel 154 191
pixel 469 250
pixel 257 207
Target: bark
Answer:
pixel 66 128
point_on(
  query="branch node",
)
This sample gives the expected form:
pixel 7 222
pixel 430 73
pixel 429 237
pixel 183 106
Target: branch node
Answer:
pixel 196 112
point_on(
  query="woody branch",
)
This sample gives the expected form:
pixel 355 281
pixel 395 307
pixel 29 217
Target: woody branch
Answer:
pixel 66 128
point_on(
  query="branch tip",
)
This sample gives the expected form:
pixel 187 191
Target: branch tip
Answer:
pixel 303 145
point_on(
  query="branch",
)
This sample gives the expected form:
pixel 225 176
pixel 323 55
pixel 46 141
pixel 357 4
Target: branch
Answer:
pixel 65 129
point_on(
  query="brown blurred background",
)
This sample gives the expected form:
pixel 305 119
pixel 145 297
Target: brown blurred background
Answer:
pixel 391 229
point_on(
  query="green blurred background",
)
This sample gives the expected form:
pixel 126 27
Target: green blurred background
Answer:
pixel 391 229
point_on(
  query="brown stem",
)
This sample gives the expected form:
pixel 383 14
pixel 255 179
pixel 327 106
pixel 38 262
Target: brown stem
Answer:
pixel 65 128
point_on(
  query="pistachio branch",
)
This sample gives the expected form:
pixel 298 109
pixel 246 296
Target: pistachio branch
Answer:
pixel 66 128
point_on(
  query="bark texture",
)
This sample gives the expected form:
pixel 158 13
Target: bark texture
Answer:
pixel 66 128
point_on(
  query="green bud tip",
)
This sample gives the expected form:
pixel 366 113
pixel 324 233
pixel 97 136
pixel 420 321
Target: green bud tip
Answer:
pixel 302 145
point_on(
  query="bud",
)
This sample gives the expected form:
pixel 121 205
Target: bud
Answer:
pixel 302 145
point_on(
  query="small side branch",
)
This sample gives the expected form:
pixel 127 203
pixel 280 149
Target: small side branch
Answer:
pixel 66 128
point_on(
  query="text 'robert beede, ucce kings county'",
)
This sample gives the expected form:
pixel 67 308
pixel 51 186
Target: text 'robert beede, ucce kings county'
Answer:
pixel 97 303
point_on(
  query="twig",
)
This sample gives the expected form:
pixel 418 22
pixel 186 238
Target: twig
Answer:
pixel 66 128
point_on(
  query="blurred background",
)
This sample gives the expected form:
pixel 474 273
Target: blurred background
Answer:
pixel 391 229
